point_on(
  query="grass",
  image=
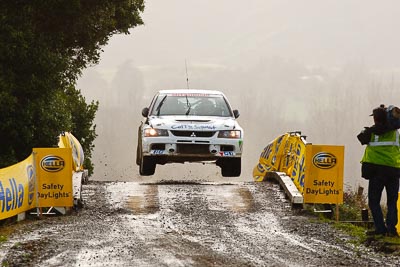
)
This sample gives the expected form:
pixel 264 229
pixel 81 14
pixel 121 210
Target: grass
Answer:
pixel 3 238
pixel 357 232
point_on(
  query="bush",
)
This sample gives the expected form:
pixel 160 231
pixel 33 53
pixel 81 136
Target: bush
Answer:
pixel 354 201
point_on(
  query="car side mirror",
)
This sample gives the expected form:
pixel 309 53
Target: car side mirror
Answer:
pixel 236 113
pixel 145 112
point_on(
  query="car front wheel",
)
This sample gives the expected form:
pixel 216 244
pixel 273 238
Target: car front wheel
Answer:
pixel 231 167
pixel 138 148
pixel 147 166
pixel 138 155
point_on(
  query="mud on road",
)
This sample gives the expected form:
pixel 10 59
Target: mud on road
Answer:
pixel 172 223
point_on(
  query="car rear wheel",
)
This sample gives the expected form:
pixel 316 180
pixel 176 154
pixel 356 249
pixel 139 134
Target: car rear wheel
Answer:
pixel 147 166
pixel 231 167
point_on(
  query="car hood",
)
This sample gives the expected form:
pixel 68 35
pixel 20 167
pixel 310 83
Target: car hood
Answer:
pixel 198 123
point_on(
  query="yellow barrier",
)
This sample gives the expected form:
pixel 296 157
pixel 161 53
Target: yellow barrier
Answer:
pixel 44 179
pixel 67 140
pixel 316 170
pixel 398 213
pixel 270 158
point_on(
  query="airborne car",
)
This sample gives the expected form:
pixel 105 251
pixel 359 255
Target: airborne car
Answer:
pixel 188 125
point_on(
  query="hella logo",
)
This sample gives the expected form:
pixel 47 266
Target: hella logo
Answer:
pixel 31 183
pixel 324 160
pixel 52 163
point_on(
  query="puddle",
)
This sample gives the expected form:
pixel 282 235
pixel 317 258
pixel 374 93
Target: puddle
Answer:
pixel 145 203
pixel 247 203
pixel 238 199
pixel 144 198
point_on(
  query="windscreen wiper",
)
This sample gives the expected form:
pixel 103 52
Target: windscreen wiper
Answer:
pixel 188 105
pixel 160 105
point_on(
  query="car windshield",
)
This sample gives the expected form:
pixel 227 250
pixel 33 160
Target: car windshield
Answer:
pixel 191 104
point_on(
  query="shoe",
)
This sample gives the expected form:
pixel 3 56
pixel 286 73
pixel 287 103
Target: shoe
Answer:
pixel 392 234
pixel 374 232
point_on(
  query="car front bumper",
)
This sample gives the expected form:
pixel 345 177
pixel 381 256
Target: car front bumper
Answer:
pixel 182 149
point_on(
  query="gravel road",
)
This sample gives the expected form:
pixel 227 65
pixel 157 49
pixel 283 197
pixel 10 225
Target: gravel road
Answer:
pixel 184 223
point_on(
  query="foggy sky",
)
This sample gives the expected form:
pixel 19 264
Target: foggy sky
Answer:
pixel 231 32
pixel 286 65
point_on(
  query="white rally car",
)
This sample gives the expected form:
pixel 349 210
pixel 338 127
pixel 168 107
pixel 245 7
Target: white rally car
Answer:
pixel 187 125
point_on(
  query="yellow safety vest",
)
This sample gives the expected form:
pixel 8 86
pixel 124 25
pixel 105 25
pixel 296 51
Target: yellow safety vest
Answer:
pixel 383 149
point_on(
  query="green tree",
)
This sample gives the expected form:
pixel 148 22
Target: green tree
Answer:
pixel 44 46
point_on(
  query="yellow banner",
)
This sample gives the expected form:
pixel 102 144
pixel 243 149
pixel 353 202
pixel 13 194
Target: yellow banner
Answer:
pixel 17 188
pixel 324 174
pixel 54 177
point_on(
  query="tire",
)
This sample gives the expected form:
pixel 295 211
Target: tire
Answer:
pixel 147 166
pixel 231 167
pixel 138 155
pixel 138 148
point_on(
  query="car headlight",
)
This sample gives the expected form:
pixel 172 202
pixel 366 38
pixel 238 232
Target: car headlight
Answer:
pixel 229 134
pixel 151 132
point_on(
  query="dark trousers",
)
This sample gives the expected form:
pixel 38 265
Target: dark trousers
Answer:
pixel 375 188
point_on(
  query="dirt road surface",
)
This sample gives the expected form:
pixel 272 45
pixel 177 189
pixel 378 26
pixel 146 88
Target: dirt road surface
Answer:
pixel 184 223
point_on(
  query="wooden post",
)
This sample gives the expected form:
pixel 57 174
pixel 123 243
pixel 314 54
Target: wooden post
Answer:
pixel 337 212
